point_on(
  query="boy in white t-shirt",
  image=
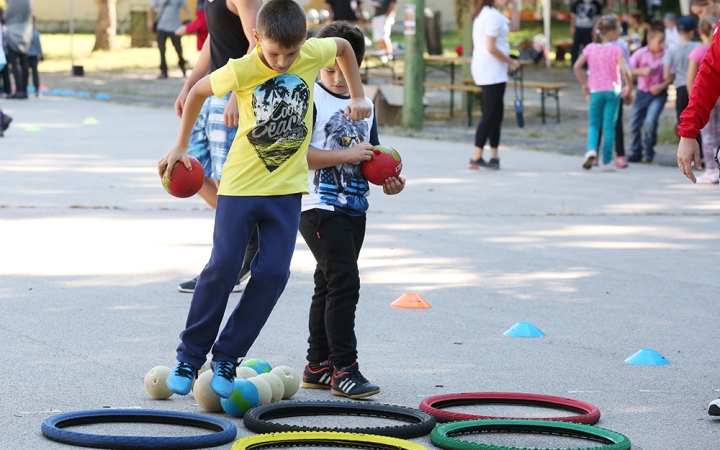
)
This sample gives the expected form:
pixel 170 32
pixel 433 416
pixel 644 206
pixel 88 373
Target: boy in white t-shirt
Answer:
pixel 333 225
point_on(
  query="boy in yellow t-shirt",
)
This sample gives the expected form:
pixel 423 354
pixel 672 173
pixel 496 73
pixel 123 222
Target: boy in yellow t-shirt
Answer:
pixel 263 180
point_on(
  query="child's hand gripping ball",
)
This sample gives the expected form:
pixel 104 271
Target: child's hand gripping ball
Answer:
pixel 385 163
pixel 184 183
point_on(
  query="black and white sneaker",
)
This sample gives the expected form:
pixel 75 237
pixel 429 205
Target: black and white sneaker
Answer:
pixel 317 376
pixel 349 382
pixel 189 286
pixel 714 407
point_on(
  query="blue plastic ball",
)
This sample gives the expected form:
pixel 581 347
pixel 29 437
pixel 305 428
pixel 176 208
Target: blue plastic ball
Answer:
pixel 258 365
pixel 244 397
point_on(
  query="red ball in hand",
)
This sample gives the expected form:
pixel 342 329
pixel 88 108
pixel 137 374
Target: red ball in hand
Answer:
pixel 385 163
pixel 184 183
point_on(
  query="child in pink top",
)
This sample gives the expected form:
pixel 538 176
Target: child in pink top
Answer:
pixel 711 133
pixel 647 64
pixel 607 67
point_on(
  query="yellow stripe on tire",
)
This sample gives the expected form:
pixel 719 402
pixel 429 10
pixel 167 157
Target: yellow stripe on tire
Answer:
pixel 324 438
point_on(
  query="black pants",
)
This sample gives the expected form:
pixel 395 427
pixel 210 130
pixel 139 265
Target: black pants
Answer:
pixel 335 239
pixel 161 40
pixel 492 115
pixel 32 65
pixel 681 102
pixel 581 38
pixel 619 138
pixel 7 86
pixel 19 65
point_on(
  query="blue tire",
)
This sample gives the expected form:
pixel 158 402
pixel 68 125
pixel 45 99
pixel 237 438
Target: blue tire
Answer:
pixel 224 431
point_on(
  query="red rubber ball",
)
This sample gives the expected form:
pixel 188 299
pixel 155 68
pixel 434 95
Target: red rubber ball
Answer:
pixel 385 163
pixel 184 183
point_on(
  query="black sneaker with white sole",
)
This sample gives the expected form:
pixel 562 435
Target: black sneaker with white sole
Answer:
pixel 714 408
pixel 349 382
pixel 317 375
pixel 189 286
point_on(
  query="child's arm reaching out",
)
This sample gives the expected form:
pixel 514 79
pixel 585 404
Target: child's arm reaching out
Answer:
pixel 359 108
pixel 178 152
pixel 321 159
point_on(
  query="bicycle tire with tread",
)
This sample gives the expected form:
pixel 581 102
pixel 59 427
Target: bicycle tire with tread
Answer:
pixel 589 414
pixel 53 429
pixel 442 435
pixel 418 423
pixel 324 438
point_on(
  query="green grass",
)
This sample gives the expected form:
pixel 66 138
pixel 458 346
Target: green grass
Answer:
pixel 56 48
pixel 666 135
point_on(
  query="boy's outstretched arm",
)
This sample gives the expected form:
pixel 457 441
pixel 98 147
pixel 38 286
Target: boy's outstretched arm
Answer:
pixel 178 152
pixel 359 108
pixel 202 68
pixel 321 159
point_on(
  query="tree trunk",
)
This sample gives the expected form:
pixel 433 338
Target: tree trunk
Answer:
pixel 106 25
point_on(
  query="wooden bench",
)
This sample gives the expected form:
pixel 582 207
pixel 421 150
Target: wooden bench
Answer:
pixel 562 47
pixel 548 89
pixel 471 91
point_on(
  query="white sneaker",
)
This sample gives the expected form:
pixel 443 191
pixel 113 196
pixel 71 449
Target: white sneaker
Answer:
pixel 607 167
pixel 590 157
pixel 709 177
pixel 714 408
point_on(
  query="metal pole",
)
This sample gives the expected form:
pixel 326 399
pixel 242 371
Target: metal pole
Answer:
pixel 546 19
pixel 412 112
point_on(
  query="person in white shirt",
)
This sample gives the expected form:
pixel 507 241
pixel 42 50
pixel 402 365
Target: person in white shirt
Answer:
pixel 671 31
pixel 490 63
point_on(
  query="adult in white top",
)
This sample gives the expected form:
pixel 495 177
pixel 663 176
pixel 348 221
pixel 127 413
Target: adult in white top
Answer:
pixel 490 63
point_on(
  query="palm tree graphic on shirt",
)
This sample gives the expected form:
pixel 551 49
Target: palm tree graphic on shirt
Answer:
pixel 280 105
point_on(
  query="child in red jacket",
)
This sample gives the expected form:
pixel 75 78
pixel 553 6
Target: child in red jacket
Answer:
pixel 704 96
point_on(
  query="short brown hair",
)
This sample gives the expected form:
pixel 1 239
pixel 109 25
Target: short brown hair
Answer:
pixel 350 33
pixel 655 29
pixel 283 22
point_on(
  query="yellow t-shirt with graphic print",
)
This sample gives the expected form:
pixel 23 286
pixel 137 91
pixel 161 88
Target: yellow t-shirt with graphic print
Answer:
pixel 269 153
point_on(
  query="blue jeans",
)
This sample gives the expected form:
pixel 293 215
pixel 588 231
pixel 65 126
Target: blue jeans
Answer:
pixel 646 112
pixel 277 219
pixel 604 108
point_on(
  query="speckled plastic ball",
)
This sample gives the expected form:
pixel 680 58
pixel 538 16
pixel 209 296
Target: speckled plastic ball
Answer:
pixel 289 378
pixel 155 383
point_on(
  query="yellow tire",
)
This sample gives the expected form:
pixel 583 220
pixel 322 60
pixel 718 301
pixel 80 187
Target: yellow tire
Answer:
pixel 324 438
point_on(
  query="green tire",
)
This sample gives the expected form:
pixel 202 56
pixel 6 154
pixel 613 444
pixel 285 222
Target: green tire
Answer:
pixel 442 436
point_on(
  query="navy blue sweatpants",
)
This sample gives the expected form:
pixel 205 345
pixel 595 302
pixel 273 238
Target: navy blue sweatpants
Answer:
pixel 277 219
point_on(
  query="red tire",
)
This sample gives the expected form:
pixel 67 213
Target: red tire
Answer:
pixel 588 414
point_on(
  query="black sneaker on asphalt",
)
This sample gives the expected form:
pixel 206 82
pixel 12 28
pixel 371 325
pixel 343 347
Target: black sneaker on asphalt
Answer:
pixel 189 286
pixel 319 377
pixel 494 164
pixel 714 408
pixel 4 121
pixel 349 382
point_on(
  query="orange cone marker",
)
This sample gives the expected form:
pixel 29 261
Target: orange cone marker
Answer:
pixel 410 300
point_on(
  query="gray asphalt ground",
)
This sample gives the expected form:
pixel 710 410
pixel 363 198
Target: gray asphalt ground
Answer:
pixel 605 264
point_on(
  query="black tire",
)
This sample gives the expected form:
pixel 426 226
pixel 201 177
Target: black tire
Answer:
pixel 442 435
pixel 52 428
pixel 417 424
pixel 585 412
